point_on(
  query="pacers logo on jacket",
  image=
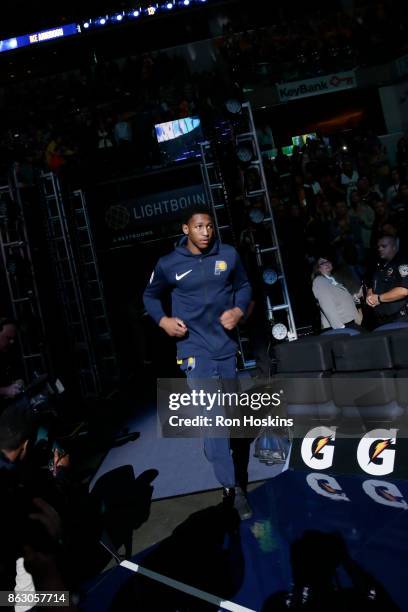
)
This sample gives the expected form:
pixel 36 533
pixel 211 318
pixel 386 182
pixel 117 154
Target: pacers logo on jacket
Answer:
pixel 220 266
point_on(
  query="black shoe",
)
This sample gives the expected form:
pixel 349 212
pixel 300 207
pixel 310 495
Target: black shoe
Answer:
pixel 241 504
pixel 231 517
pixel 228 497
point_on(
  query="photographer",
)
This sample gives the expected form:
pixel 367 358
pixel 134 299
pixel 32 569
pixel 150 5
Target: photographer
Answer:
pixel 30 526
pixel 17 429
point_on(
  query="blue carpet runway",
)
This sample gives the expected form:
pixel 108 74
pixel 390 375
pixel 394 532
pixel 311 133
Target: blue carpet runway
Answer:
pixel 315 541
pixel 331 542
pixel 180 462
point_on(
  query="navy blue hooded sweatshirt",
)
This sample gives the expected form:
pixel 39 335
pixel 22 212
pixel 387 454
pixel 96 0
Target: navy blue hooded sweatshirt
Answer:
pixel 202 287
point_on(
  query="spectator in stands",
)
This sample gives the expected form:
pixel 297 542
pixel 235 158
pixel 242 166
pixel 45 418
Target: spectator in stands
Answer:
pixel 318 228
pixel 365 215
pixel 54 154
pixel 265 137
pixel 400 202
pixel 312 182
pixel 331 190
pixel 282 162
pixel 337 306
pixel 382 217
pixel 104 136
pixel 380 168
pixel 348 179
pixel 399 211
pixel 296 161
pixel 183 109
pixel 402 157
pixel 366 192
pixel 393 189
pixel 24 172
pixel 345 228
pixel 350 273
pixel 122 131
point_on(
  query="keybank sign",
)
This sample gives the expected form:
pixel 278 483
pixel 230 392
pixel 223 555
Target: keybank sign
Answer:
pixel 313 87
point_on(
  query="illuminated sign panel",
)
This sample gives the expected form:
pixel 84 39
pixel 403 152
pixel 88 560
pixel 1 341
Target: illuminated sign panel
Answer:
pixel 37 37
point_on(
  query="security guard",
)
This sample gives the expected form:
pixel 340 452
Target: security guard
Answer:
pixel 388 294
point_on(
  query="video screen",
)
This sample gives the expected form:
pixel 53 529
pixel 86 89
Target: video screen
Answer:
pixel 299 141
pixel 287 150
pixel 179 139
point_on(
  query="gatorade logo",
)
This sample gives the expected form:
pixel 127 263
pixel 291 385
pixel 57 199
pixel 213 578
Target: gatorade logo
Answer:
pixel 375 451
pixel 318 447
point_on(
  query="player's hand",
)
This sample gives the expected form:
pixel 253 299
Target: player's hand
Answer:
pixel 230 318
pixel 174 327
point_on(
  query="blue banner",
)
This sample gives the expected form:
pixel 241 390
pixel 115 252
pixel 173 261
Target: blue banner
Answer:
pixel 10 44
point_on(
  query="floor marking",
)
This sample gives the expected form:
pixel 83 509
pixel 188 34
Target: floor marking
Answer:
pixel 190 590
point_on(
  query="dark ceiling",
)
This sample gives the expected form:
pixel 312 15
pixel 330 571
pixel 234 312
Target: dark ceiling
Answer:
pixel 22 17
pixel 25 16
pixel 133 36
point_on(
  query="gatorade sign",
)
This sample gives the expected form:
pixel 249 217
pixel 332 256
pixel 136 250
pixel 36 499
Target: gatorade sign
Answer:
pixel 374 453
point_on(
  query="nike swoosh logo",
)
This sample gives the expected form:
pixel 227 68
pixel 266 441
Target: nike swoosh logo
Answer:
pixel 180 276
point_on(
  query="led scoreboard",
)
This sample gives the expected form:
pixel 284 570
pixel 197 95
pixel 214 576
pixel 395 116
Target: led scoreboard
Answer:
pixel 9 44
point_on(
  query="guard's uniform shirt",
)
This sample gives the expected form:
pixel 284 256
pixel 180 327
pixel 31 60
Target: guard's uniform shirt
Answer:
pixel 387 276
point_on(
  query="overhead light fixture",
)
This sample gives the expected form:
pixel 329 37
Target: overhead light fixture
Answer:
pixel 136 13
pixel 233 106
pixel 269 276
pixel 86 25
pixel 244 154
pixel 119 17
pixel 279 331
pixel 169 6
pixel 256 215
pixel 102 21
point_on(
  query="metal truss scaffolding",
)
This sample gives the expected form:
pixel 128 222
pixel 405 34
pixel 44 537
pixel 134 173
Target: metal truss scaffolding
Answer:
pixel 248 160
pixel 267 252
pixel 21 281
pixel 80 287
pixel 217 196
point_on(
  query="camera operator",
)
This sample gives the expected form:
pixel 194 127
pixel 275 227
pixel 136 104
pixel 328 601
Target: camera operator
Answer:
pixel 30 526
pixel 9 387
pixel 17 429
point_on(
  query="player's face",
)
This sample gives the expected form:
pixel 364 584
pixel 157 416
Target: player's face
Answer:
pixel 199 231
